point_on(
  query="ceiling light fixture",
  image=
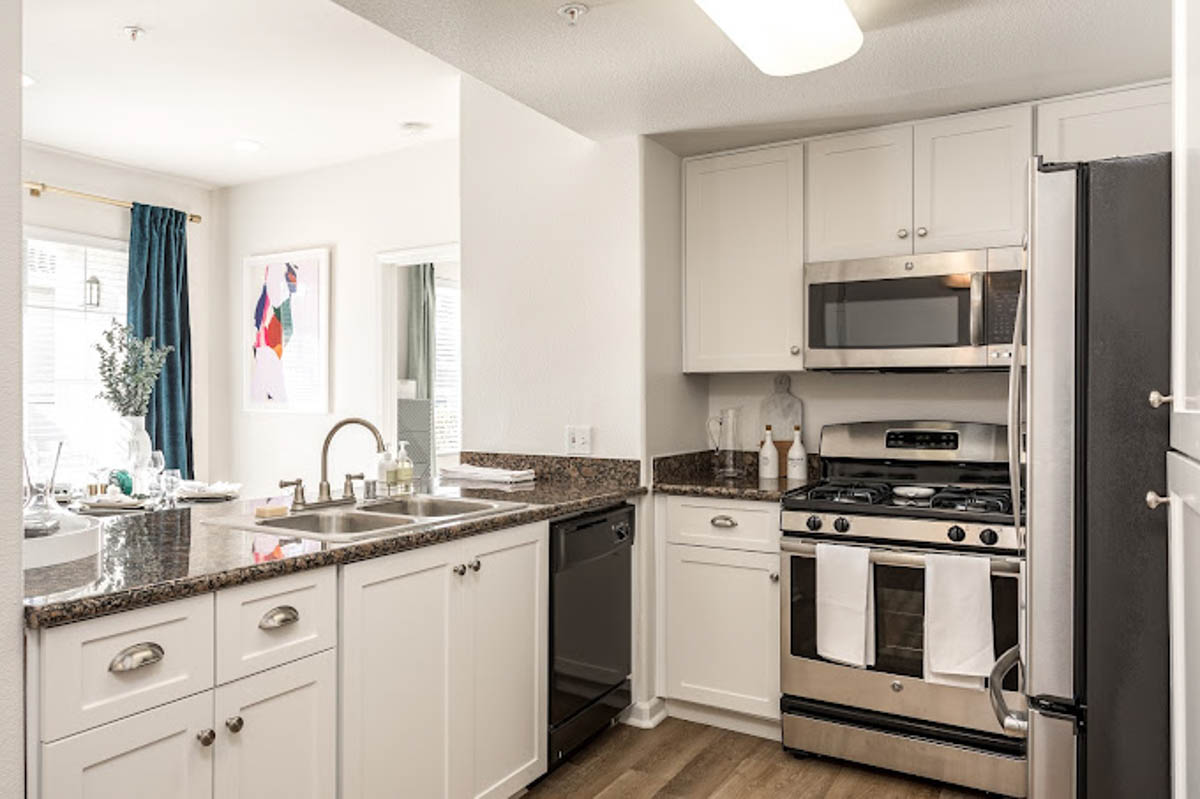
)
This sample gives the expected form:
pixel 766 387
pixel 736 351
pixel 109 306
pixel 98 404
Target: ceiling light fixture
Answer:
pixel 26 81
pixel 413 128
pixel 247 145
pixel 788 37
pixel 572 11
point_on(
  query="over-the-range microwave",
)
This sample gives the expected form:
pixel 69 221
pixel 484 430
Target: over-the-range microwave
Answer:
pixel 949 310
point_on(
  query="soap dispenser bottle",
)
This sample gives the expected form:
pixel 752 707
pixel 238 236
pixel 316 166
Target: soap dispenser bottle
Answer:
pixel 768 457
pixel 404 469
pixel 387 472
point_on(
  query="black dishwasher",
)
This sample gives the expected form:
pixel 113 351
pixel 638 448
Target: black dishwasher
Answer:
pixel 591 608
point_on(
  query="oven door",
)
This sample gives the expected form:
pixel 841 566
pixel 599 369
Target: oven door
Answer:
pixel 895 684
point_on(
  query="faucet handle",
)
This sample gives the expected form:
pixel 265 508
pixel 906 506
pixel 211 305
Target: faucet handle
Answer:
pixel 348 486
pixel 298 491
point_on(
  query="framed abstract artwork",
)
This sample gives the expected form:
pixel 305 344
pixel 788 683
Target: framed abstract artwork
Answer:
pixel 284 336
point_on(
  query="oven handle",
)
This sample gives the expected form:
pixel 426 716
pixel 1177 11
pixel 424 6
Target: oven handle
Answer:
pixel 908 558
pixel 1010 720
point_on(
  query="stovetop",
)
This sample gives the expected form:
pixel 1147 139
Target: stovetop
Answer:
pixel 985 503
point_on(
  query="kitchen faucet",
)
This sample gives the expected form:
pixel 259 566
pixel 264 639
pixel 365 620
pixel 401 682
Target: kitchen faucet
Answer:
pixel 324 497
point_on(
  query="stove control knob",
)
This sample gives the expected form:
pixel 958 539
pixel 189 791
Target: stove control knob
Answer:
pixel 841 524
pixel 989 537
pixel 956 534
pixel 813 523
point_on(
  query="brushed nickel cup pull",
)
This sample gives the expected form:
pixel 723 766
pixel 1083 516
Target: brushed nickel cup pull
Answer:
pixel 922 232
pixel 902 233
pixel 206 737
pixel 460 570
pixel 278 617
pixel 1153 500
pixel 475 565
pixel 1158 399
pixel 136 656
pixel 723 521
pixel 235 724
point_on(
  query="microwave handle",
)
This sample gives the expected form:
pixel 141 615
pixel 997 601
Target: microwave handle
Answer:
pixel 977 309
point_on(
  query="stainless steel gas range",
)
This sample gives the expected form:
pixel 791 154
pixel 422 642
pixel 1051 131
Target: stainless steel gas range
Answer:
pixel 903 490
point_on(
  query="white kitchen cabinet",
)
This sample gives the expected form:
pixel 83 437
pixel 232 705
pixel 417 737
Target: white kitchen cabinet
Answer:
pixel 970 176
pixel 860 195
pixel 150 755
pixel 743 261
pixel 1132 121
pixel 277 732
pixel 443 683
pixel 722 637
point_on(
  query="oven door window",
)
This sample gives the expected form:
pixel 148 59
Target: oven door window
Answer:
pixel 899 313
pixel 899 616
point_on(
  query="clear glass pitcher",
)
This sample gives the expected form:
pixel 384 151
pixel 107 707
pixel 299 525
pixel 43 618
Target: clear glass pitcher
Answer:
pixel 723 435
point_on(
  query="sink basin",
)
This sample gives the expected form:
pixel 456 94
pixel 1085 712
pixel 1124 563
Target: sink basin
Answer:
pixel 428 507
pixel 340 525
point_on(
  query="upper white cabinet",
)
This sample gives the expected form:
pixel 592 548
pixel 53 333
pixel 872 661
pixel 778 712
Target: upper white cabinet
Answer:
pixel 1119 123
pixel 947 184
pixel 743 261
pixel 969 180
pixel 860 195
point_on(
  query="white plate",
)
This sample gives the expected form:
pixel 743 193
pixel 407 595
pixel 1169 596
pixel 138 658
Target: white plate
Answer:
pixel 914 492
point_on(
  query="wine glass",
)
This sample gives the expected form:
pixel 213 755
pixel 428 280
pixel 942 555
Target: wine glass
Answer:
pixel 156 466
pixel 171 478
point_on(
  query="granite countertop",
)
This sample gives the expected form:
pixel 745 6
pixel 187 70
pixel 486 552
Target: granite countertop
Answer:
pixel 148 558
pixel 750 488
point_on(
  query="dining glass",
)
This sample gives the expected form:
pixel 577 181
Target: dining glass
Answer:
pixel 171 478
pixel 158 463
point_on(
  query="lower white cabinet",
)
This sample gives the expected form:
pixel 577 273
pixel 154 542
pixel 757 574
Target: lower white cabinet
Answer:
pixel 444 668
pixel 151 755
pixel 277 732
pixel 722 638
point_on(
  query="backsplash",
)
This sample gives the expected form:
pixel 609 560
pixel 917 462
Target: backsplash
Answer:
pixel 561 468
pixel 693 467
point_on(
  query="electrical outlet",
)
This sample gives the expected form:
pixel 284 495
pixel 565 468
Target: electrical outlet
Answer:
pixel 579 440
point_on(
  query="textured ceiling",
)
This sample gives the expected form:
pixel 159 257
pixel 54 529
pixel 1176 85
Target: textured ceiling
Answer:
pixel 662 67
pixel 312 82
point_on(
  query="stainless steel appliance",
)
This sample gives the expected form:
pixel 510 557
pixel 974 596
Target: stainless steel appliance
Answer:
pixel 1098 341
pixel 591 601
pixel 939 310
pixel 903 489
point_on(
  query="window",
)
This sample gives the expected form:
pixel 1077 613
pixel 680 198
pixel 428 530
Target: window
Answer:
pixel 447 366
pixel 73 289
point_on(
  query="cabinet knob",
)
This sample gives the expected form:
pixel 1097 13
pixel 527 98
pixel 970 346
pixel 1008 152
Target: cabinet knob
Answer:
pixel 795 350
pixel 475 565
pixel 922 232
pixel 774 577
pixel 460 570
pixel 1158 399
pixel 902 233
pixel 1153 500
pixel 206 737
pixel 235 724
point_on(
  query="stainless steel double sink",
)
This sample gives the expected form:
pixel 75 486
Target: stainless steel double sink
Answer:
pixel 385 517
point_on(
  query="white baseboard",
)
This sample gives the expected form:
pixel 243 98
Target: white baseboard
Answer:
pixel 725 719
pixel 646 715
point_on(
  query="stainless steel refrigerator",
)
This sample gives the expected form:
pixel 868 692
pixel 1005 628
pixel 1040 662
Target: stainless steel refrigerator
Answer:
pixel 1097 331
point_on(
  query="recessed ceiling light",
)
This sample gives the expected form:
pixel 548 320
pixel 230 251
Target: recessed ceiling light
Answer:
pixel 788 37
pixel 134 32
pixel 26 81
pixel 572 11
pixel 413 128
pixel 247 145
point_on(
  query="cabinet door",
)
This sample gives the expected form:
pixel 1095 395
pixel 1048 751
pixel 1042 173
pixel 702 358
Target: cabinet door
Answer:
pixel 860 195
pixel 970 176
pixel 396 655
pixel 151 755
pixel 277 732
pixel 503 667
pixel 723 628
pixel 743 260
pixel 1129 122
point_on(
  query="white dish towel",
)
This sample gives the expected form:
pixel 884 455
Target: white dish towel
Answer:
pixel 487 474
pixel 845 605
pixel 959 648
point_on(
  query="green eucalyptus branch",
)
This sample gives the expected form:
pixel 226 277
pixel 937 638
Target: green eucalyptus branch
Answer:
pixel 129 368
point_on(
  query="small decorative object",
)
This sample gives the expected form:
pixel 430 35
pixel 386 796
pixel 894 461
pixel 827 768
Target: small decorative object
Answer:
pixel 723 434
pixel 285 339
pixel 783 410
pixel 42 513
pixel 768 457
pixel 797 459
pixel 129 368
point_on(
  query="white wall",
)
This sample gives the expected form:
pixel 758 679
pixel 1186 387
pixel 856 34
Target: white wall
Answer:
pixel 55 211
pixel 400 200
pixel 12 732
pixel 831 398
pixel 551 282
pixel 676 404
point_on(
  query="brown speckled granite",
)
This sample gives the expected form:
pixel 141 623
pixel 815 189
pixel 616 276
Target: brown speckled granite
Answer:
pixel 559 468
pixel 694 474
pixel 146 559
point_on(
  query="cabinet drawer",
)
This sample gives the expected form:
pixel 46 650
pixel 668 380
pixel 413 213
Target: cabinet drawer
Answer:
pixel 728 524
pixel 94 672
pixel 264 624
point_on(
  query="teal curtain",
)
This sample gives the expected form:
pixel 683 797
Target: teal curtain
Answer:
pixel 421 328
pixel 158 309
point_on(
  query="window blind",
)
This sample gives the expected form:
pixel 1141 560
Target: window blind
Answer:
pixel 447 368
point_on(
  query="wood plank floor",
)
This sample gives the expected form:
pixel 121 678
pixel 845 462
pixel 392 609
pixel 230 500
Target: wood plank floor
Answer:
pixel 681 759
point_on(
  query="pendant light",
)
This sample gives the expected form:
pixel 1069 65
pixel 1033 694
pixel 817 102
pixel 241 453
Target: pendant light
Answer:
pixel 788 37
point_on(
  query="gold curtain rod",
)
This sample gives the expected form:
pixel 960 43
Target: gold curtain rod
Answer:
pixel 37 189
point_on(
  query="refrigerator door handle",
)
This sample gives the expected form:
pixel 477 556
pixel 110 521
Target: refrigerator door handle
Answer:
pixel 1014 412
pixel 1010 720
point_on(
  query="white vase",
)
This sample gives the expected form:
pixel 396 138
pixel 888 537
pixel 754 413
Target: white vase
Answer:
pixel 138 445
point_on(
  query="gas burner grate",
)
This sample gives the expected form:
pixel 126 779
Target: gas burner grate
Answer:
pixel 850 493
pixel 973 500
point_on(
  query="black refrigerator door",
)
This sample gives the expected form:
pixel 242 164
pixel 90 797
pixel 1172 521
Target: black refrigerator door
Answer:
pixel 1124 348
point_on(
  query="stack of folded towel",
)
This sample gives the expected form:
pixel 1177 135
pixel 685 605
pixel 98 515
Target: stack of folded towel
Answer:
pixel 484 474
